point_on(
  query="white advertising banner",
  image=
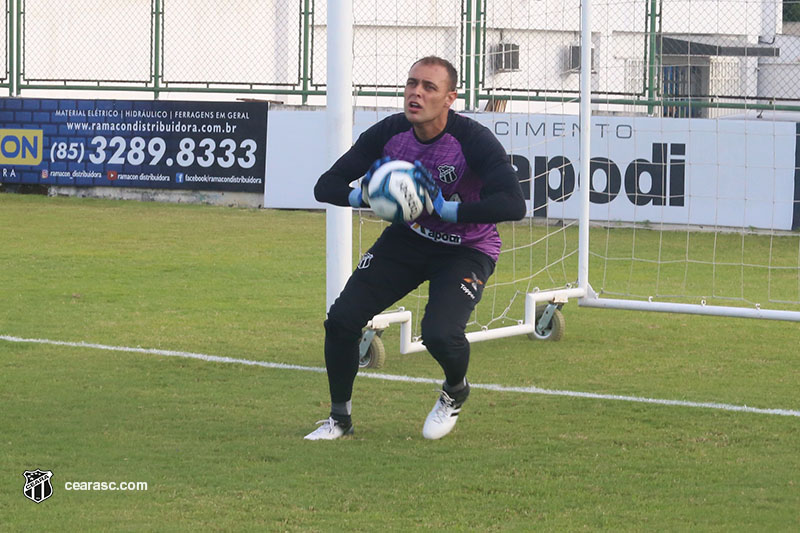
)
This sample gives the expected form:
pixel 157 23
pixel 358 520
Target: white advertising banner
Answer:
pixel 296 154
pixel 677 171
pixel 737 173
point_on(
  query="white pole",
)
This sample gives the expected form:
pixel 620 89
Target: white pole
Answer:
pixel 339 127
pixel 13 90
pixel 585 137
pixel 692 309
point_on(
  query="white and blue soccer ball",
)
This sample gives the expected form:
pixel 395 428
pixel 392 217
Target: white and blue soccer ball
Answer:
pixel 394 194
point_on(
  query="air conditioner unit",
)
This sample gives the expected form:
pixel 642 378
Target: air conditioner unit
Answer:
pixel 505 57
pixel 574 59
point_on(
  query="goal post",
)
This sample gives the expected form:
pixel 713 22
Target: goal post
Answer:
pixel 339 127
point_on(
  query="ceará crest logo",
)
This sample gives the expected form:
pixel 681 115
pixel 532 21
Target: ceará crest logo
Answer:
pixel 37 486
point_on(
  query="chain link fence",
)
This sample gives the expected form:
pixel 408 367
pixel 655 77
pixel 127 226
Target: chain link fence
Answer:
pixel 162 45
pixel 388 41
pixel 100 41
pixel 238 43
pixel 681 58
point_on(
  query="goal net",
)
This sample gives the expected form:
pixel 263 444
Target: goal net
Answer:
pixel 688 114
pixel 695 191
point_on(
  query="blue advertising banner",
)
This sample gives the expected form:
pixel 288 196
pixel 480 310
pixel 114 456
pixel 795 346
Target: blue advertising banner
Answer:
pixel 217 146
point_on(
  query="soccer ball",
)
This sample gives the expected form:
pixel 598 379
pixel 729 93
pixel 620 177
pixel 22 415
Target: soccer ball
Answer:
pixel 394 194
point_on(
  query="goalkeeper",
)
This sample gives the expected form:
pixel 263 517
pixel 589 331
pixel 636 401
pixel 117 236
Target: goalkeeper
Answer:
pixel 471 186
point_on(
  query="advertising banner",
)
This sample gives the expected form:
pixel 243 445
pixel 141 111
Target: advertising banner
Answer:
pixel 218 146
pixel 733 173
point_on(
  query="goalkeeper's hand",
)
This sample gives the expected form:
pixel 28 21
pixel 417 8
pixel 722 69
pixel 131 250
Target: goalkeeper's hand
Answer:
pixel 360 194
pixel 434 201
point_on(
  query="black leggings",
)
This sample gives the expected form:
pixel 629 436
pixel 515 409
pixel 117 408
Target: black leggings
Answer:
pixel 398 262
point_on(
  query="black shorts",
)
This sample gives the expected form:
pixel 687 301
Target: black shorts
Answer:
pixel 401 260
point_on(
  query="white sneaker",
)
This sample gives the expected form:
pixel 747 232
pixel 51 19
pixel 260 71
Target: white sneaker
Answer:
pixel 444 415
pixel 329 430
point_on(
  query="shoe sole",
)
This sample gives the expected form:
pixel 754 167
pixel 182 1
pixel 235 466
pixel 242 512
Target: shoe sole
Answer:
pixel 347 433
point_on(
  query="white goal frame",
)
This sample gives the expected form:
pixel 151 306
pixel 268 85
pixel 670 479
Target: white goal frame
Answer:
pixel 339 219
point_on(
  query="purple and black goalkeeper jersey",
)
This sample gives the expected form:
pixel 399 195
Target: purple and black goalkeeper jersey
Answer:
pixel 469 164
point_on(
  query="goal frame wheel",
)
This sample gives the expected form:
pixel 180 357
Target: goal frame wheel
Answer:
pixel 372 352
pixel 553 330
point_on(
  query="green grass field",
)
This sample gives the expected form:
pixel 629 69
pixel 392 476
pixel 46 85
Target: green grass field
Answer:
pixel 220 445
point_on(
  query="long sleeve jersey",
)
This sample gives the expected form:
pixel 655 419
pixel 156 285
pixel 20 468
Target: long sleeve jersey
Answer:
pixel 469 164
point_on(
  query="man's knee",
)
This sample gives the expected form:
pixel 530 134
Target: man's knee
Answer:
pixel 441 341
pixel 340 330
pixel 350 312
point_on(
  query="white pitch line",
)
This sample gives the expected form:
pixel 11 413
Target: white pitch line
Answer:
pixel 411 379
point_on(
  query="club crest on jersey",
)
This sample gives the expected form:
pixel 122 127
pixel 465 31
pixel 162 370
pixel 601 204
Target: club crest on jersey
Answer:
pixel 447 173
pixel 365 261
pixel 37 485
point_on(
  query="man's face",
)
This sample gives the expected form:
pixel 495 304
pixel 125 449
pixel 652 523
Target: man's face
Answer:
pixel 427 94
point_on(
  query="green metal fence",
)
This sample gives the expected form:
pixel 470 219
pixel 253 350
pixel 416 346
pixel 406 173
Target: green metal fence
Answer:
pixel 664 57
pixel 8 39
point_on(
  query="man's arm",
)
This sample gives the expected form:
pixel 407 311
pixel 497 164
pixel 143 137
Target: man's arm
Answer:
pixel 333 187
pixel 501 200
pixel 501 195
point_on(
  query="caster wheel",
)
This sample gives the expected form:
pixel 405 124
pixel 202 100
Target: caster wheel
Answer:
pixel 554 331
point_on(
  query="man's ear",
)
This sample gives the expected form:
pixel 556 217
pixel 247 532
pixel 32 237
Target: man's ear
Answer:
pixel 451 97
